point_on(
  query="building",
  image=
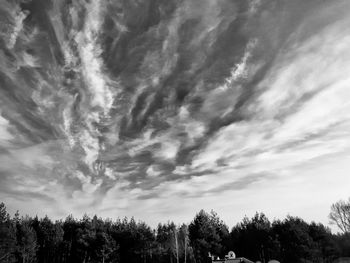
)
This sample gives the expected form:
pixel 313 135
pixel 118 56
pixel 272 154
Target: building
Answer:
pixel 230 258
pixel 233 260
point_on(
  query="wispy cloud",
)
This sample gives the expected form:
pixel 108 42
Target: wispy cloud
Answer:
pixel 133 109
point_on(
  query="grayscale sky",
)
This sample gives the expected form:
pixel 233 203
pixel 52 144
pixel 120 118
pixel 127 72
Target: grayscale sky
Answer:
pixel 157 109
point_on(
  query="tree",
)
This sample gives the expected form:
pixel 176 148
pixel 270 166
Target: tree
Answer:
pixel 49 239
pixel 7 236
pixel 340 215
pixel 184 246
pixel 101 245
pixel 324 246
pixel 134 240
pixel 295 242
pixel 166 235
pixel 70 227
pixel 208 234
pixel 252 238
pixel 26 241
pixel 94 240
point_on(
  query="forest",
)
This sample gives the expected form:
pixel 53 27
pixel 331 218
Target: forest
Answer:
pixel 92 239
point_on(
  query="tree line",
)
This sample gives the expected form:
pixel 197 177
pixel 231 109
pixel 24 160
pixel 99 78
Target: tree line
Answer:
pixel 92 239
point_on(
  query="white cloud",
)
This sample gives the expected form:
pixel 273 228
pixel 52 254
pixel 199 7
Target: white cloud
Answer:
pixel 153 171
pixel 5 135
pixel 240 71
pixel 17 27
pixel 92 64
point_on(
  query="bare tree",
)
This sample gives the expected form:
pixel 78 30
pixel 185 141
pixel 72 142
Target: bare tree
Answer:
pixel 340 215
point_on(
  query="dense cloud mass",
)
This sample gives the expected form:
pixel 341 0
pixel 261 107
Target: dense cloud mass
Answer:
pixel 107 105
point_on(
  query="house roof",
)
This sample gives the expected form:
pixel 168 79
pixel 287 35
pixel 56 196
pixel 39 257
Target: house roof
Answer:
pixel 235 260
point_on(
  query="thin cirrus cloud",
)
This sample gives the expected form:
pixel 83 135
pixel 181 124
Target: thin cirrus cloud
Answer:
pixel 221 104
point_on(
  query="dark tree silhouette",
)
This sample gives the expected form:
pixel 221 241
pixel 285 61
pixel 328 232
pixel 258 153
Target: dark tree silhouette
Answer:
pixel 97 240
pixel 207 233
pixel 7 236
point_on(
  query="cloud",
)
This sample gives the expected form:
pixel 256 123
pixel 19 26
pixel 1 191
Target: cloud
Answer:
pixel 195 102
pixel 5 135
pixel 298 101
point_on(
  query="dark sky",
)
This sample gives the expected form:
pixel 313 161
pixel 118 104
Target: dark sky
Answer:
pixel 158 108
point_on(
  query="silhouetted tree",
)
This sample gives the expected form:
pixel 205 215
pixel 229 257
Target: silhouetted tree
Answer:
pixel 7 236
pixel 253 238
pixel 324 246
pixel 26 246
pixel 135 240
pixel 207 233
pixel 94 240
pixel 295 241
pixel 49 239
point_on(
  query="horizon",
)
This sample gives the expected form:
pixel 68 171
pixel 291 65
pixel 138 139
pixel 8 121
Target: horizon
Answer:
pixel 159 109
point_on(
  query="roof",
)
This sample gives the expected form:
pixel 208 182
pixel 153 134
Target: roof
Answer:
pixel 235 260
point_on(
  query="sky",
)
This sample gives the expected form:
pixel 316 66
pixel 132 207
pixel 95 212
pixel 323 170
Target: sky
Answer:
pixel 157 109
